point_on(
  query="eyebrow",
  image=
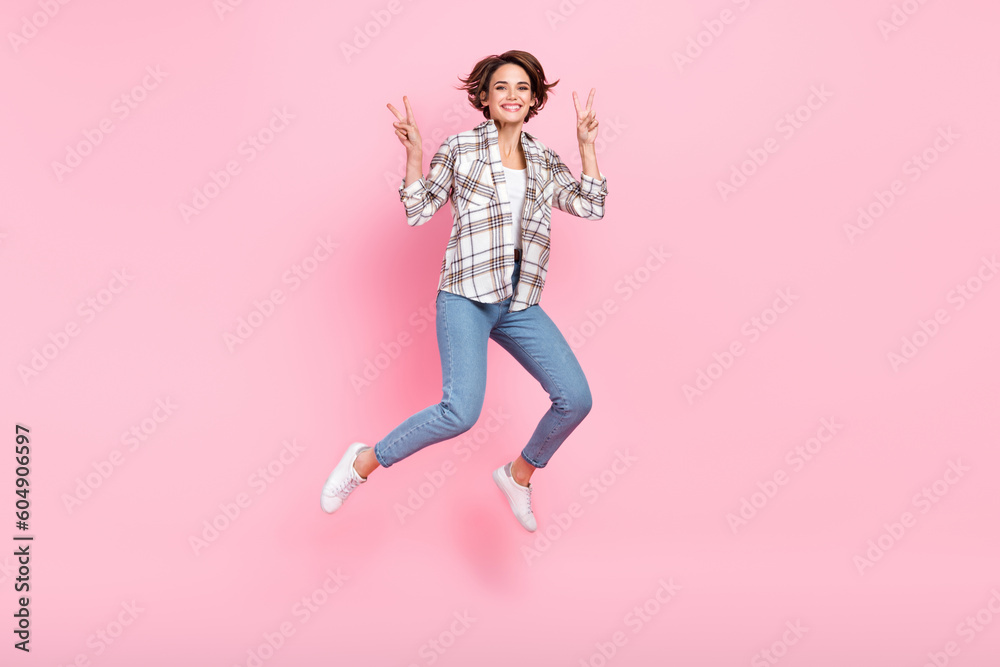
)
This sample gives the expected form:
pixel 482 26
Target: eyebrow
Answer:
pixel 496 82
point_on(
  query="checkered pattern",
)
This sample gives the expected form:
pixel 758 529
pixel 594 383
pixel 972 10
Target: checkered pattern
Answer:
pixel 479 258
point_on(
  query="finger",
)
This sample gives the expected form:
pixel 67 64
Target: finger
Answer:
pixel 399 116
pixel 590 101
pixel 409 111
pixel 576 103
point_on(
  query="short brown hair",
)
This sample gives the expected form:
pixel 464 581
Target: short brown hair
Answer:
pixel 479 79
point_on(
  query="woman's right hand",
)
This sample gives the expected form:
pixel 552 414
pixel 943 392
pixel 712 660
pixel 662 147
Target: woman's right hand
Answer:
pixel 406 130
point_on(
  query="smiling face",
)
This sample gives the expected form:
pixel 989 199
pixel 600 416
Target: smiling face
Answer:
pixel 509 96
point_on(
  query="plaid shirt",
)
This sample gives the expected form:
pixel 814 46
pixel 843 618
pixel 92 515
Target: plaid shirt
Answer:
pixel 479 258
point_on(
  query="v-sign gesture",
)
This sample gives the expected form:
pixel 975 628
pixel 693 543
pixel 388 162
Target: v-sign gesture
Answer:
pixel 406 129
pixel 586 119
pixel 409 136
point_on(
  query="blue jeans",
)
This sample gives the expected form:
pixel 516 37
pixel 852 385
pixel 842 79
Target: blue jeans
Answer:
pixel 464 327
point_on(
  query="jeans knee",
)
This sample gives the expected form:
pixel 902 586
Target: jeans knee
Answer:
pixel 578 402
pixel 460 418
pixel 584 403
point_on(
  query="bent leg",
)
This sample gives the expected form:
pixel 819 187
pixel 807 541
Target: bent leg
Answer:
pixel 463 332
pixel 535 341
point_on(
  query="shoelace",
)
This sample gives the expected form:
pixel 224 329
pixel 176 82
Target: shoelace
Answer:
pixel 346 487
pixel 527 494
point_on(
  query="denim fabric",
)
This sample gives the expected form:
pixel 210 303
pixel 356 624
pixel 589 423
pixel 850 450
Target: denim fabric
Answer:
pixel 464 328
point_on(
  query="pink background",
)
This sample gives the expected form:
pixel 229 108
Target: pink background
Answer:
pixel 670 134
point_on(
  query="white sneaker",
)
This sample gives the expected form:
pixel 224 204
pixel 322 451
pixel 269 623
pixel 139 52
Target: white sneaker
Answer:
pixel 518 496
pixel 342 480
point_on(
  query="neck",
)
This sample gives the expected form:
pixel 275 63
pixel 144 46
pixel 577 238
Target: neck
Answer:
pixel 509 133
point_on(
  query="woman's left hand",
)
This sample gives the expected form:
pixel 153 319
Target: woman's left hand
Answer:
pixel 586 119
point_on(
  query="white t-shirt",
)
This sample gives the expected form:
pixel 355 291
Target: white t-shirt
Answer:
pixel 517 181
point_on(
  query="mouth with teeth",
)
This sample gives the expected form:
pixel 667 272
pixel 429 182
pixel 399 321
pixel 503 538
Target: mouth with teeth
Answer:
pixel 513 108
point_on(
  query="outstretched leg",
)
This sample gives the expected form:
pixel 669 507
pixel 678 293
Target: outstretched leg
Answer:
pixel 463 328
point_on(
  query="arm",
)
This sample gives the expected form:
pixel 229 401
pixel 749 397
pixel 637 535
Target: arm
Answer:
pixel 588 156
pixel 421 198
pixel 424 196
pixel 583 198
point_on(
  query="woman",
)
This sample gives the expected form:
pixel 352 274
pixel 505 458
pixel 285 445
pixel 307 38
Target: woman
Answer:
pixel 502 183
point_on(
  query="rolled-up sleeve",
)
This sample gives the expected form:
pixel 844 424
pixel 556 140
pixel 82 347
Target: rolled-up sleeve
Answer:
pixel 423 197
pixel 583 198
